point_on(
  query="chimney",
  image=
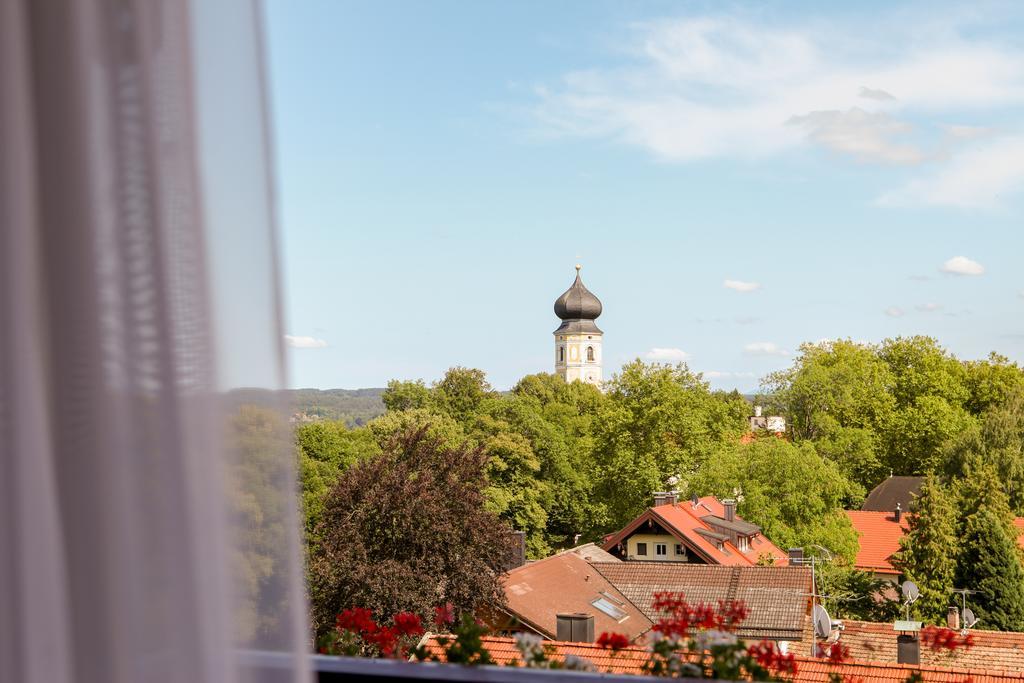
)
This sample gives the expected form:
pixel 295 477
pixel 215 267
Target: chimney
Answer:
pixel 517 550
pixel 695 500
pixel 665 498
pixel 730 509
pixel 757 411
pixel 953 618
pixel 908 649
pixel 796 555
pixel 898 514
pixel 575 628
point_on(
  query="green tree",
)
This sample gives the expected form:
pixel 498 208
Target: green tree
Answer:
pixel 406 531
pixel 326 449
pixel 792 493
pixel 928 552
pixel 658 421
pixel 461 392
pixel 406 395
pixel 991 564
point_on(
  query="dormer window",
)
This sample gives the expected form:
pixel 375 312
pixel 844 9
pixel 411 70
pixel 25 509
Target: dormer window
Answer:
pixel 743 543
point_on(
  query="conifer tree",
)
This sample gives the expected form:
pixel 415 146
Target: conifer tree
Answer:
pixel 990 564
pixel 928 552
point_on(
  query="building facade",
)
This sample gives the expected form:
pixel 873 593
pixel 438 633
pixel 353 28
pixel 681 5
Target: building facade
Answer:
pixel 578 339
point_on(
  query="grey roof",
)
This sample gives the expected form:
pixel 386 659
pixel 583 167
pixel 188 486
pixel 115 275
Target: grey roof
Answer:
pixel 885 496
pixel 778 598
pixel 578 307
pixel 738 525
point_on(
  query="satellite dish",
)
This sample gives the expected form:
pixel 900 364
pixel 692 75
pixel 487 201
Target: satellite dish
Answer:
pixel 910 591
pixel 969 618
pixel 822 622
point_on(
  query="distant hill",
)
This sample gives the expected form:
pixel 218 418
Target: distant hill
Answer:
pixel 355 406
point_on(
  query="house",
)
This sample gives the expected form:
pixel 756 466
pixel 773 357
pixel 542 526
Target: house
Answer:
pixel 701 531
pixel 618 596
pixel 565 584
pixel 778 598
pixel 997 650
pixel 879 535
pixel 808 670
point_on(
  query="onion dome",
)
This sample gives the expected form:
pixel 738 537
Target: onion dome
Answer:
pixel 578 308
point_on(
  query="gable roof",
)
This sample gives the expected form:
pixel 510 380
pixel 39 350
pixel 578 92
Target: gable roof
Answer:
pixel 991 650
pixel 879 537
pixel 631 660
pixel 778 598
pixel 691 524
pixel 538 592
pixel 885 496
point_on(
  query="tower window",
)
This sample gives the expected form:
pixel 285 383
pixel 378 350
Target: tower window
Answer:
pixel 561 354
pixel 590 354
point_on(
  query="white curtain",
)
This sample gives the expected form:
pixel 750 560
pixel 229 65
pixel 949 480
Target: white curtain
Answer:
pixel 148 526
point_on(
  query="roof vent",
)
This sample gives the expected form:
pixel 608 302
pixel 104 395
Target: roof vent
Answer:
pixel 898 514
pixel 575 628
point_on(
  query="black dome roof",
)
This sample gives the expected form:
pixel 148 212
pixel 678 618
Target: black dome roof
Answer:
pixel 578 305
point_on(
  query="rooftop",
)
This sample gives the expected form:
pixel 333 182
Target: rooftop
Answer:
pixel 879 537
pixel 689 522
pixel 893 491
pixel 777 597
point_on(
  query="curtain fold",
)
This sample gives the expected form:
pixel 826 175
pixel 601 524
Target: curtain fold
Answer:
pixel 147 508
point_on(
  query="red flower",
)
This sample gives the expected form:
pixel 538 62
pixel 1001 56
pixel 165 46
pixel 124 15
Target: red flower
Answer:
pixel 613 641
pixel 356 620
pixel 836 653
pixel 408 624
pixel 945 638
pixel 770 657
pixel 444 616
pixel 386 640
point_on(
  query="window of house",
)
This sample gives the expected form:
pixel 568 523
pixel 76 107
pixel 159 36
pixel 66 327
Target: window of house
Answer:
pixel 641 549
pixel 660 549
pixel 679 549
pixel 610 606
pixel 561 354
pixel 744 543
pixel 590 354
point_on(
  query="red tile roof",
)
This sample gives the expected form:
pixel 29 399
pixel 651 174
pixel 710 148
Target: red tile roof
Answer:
pixel 992 649
pixel 538 592
pixel 684 520
pixel 631 660
pixel 880 536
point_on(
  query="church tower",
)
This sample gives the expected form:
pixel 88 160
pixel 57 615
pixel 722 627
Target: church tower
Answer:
pixel 578 339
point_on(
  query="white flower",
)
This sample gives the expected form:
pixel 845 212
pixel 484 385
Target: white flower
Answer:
pixel 574 663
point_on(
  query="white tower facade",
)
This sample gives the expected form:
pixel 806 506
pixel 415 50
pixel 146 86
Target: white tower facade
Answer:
pixel 578 339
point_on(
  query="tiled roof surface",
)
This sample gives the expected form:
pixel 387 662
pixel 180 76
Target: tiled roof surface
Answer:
pixel 777 597
pixel 880 536
pixel 683 520
pixel 885 496
pixel 631 660
pixel 537 592
pixel 992 649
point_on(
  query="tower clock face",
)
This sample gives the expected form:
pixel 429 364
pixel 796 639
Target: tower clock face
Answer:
pixel 574 353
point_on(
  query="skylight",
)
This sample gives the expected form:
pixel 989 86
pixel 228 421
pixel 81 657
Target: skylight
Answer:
pixel 606 605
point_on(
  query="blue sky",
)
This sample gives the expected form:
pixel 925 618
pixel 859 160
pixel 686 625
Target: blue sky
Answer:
pixel 735 180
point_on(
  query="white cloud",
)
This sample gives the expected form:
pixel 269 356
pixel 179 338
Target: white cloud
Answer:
pixel 929 307
pixel 719 374
pixel 961 265
pixel 667 355
pixel 764 349
pixel 875 94
pixel 894 312
pixel 741 285
pixel 714 86
pixel 297 342
pixel 977 178
pixel 863 135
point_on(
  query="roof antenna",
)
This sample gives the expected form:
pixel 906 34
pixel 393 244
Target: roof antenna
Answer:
pixel 967 618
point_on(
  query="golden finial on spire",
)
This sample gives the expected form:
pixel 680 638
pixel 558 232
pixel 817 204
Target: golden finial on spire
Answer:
pixel 578 266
